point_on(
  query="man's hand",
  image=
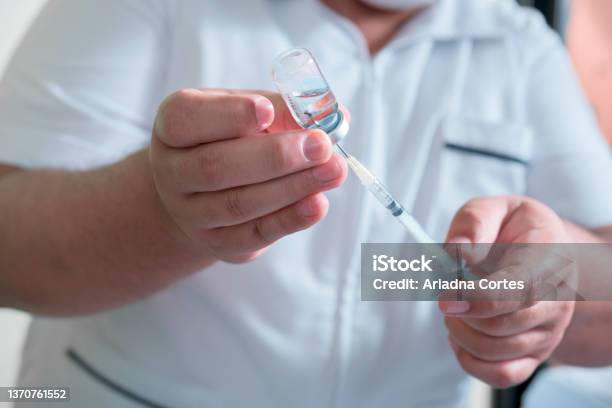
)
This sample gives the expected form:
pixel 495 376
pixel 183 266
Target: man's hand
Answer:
pixel 236 173
pixel 227 173
pixel 498 341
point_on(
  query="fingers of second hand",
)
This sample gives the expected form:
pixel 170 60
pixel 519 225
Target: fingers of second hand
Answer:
pixel 479 220
pixel 532 342
pixel 501 374
pixel 503 296
pixel 532 332
pixel 475 303
pixel 510 324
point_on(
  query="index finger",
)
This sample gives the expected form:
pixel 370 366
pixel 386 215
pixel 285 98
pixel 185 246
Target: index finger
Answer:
pixel 196 116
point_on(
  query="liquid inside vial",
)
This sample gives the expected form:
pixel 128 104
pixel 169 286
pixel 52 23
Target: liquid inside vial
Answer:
pixel 319 107
pixel 305 90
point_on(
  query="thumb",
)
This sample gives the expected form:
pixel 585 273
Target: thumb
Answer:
pixel 479 221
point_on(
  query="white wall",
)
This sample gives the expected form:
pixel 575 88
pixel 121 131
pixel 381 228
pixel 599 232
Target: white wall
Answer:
pixel 15 16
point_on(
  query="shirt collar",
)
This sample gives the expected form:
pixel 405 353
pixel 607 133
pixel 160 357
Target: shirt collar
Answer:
pixel 448 20
pixel 454 20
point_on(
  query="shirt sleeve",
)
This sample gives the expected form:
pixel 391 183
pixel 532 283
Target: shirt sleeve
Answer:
pixel 83 86
pixel 571 167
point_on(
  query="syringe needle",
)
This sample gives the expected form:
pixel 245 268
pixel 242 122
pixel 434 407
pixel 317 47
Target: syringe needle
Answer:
pixel 395 208
pixel 382 195
pixel 343 152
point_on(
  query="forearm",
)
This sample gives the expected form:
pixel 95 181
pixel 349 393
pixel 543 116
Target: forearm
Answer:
pixel 586 342
pixel 82 242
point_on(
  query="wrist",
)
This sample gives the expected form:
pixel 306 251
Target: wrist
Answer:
pixel 138 166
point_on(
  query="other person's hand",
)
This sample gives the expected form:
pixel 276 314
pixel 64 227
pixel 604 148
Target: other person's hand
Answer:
pixel 236 173
pixel 502 342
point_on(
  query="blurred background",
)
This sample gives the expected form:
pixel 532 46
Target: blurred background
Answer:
pixel 585 24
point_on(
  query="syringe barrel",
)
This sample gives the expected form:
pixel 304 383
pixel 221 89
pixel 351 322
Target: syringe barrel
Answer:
pixel 379 191
pixel 395 208
pixel 417 233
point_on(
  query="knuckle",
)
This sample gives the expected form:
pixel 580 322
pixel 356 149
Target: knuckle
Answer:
pixel 243 112
pixel 288 224
pixel 297 187
pixel 208 215
pixel 278 226
pixel 235 205
pixel 209 166
pixel 183 97
pixel 279 157
pixel 208 218
pixel 260 234
pixel 172 114
pixel 471 216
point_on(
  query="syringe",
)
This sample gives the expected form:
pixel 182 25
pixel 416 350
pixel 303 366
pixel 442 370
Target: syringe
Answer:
pixel 384 197
pixel 313 105
pixel 449 267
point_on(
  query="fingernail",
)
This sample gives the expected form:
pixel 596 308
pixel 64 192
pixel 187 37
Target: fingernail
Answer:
pixel 459 240
pixel 327 172
pixel 455 307
pixel 316 146
pixel 264 111
pixel 463 242
pixel 306 209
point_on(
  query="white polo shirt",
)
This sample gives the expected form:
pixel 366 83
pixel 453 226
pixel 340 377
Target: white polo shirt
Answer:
pixel 471 98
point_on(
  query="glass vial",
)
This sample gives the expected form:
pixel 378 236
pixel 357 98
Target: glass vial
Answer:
pixel 307 94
